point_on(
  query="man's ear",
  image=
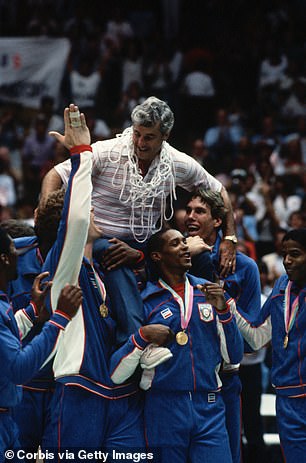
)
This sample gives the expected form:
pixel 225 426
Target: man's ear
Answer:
pixel 155 256
pixel 217 222
pixel 166 136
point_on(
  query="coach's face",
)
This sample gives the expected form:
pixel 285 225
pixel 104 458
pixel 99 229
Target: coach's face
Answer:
pixel 147 141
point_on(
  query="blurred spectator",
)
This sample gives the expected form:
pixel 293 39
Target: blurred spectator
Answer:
pixel 38 150
pixel 265 283
pixel 271 71
pixel 267 135
pixel 110 88
pixel 12 133
pixel 267 222
pixel 98 128
pixel 272 67
pixel 55 121
pixel 200 153
pixel 25 210
pixel 84 84
pixel 61 153
pixel 118 27
pixel 132 64
pixel 285 198
pixel 244 211
pixel 198 97
pixel 129 99
pixel 297 219
pixel 274 260
pixel 295 104
pixel 157 75
pixel 222 141
pixel 9 179
pixel 296 142
pixel 78 27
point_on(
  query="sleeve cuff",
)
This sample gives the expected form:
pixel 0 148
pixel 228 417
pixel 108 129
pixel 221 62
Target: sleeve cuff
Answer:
pixel 59 319
pixel 225 316
pixel 31 312
pixel 139 340
pixel 79 149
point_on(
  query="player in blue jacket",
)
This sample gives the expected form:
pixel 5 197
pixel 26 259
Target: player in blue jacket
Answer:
pixel 19 365
pixel 87 410
pixel 184 410
pixel 30 414
pixel 283 321
pixel 205 212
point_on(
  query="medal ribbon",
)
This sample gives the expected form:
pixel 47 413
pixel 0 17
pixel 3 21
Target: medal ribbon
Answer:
pixel 185 306
pixel 99 285
pixel 290 312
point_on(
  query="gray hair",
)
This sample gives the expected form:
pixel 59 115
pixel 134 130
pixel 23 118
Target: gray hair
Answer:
pixel 151 112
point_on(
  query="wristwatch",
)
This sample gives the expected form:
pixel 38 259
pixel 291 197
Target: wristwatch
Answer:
pixel 232 238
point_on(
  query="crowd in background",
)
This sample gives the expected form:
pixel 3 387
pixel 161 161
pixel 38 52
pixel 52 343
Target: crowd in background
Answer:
pixel 233 73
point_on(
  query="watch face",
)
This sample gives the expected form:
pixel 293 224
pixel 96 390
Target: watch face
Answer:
pixel 232 238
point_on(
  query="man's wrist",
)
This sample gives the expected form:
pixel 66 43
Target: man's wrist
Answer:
pixel 77 149
pixel 232 238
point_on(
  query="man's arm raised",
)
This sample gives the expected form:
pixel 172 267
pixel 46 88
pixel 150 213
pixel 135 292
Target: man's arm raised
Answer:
pixel 76 133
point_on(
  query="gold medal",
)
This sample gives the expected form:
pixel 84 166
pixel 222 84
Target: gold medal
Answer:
pixel 103 310
pixel 181 338
pixel 286 339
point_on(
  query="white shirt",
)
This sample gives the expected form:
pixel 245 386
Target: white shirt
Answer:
pixel 109 167
pixel 84 88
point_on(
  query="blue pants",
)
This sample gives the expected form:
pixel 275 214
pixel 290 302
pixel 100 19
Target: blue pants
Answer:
pixel 8 436
pixel 121 286
pixel 31 415
pixel 80 419
pixel 291 421
pixel 186 427
pixel 231 390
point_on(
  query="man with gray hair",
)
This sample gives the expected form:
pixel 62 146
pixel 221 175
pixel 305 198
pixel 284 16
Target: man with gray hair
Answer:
pixel 133 175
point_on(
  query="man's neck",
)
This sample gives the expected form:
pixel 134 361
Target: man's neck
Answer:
pixel 173 280
pixel 144 166
pixel 211 239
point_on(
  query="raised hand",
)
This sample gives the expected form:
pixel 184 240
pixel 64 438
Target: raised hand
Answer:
pixel 76 130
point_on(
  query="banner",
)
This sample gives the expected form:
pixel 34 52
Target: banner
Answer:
pixel 31 68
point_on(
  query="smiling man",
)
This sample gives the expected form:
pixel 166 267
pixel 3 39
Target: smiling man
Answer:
pixel 133 176
pixel 184 411
pixel 282 320
pixel 204 216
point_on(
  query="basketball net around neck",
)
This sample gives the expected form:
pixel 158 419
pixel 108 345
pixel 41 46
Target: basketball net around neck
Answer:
pixel 141 195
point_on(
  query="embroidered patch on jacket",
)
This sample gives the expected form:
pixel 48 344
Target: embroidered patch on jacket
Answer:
pixel 166 313
pixel 206 312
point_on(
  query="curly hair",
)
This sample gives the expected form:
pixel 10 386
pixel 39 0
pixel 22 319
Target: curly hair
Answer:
pixel 47 217
pixel 152 111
